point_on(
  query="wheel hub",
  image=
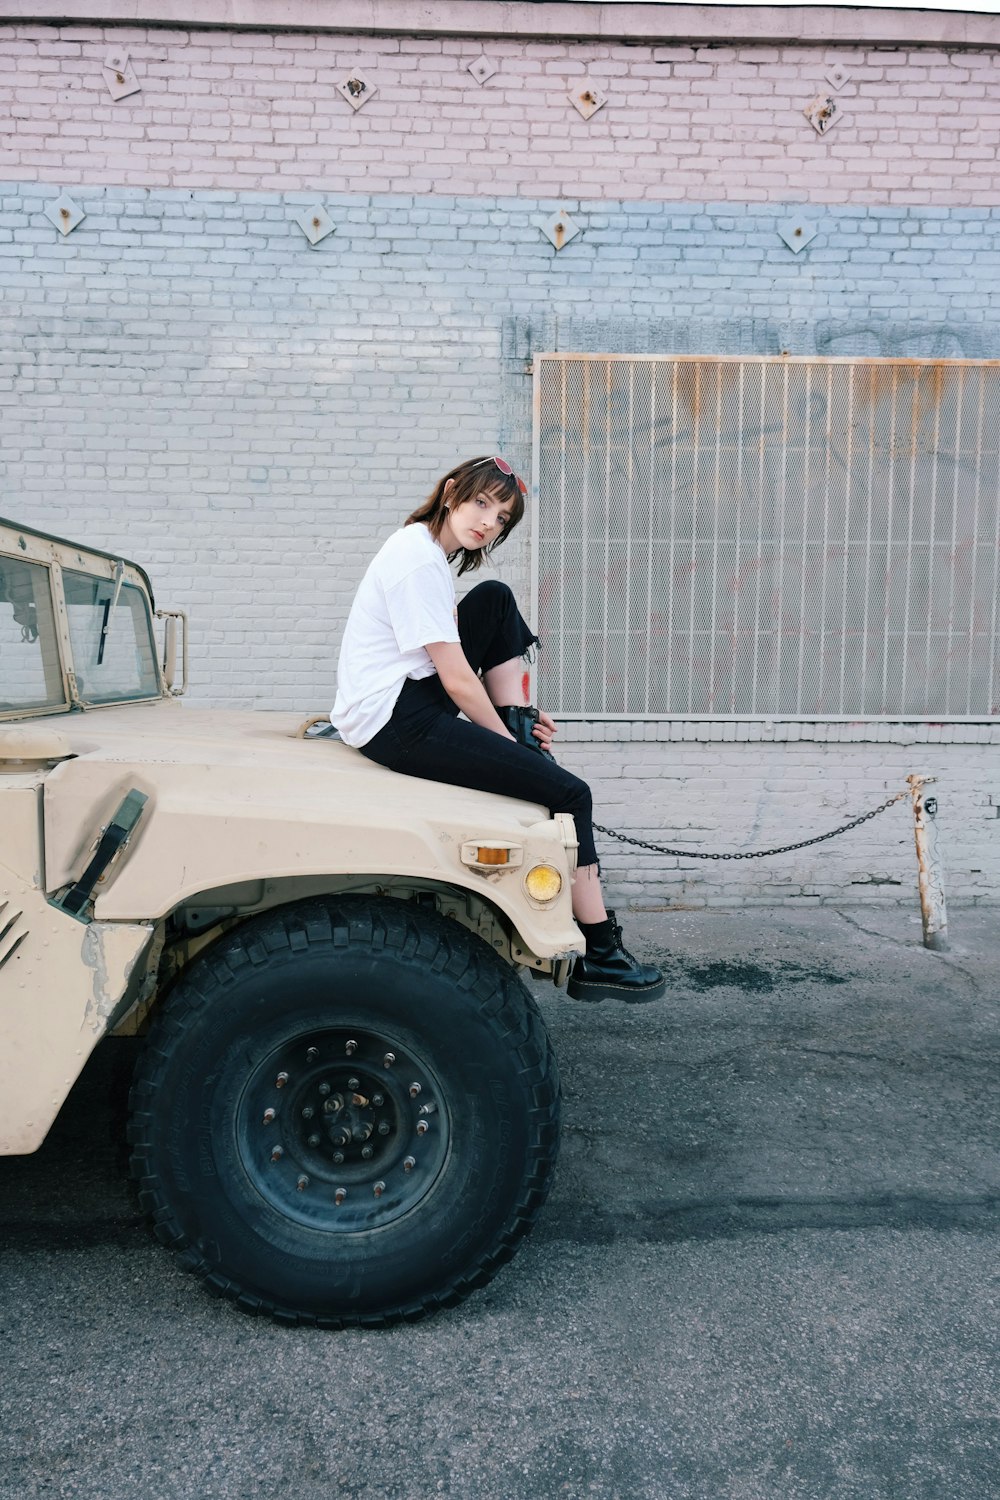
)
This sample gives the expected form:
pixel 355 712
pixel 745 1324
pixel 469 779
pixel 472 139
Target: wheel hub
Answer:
pixel 343 1130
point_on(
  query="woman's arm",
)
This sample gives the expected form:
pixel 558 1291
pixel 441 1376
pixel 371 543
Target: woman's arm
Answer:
pixel 464 687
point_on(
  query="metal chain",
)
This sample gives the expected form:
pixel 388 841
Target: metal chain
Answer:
pixel 625 838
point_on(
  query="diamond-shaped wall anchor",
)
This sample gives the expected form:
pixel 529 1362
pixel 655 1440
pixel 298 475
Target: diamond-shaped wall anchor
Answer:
pixel 482 68
pixel 588 99
pixel 796 234
pixel 315 223
pixel 64 213
pixel 357 89
pixel 119 75
pixel 560 229
pixel 837 76
pixel 821 113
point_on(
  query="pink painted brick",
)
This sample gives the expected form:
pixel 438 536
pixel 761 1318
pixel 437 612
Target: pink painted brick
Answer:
pixel 233 103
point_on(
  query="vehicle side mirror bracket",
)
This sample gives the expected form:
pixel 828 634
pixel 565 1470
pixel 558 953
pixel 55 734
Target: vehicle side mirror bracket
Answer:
pixel 170 633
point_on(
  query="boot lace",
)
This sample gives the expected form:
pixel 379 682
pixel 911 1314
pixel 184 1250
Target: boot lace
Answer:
pixel 619 943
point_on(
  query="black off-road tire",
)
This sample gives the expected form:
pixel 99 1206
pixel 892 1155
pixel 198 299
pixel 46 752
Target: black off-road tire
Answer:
pixel 346 1113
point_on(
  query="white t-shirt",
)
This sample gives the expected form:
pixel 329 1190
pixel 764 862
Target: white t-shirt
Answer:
pixel 405 601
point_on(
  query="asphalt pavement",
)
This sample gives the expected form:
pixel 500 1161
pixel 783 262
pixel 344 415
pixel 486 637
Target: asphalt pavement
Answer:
pixel 767 1270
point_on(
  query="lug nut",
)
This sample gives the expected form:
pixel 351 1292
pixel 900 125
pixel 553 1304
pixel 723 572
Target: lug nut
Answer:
pixel 324 1089
pixel 277 1153
pixel 378 1189
pixel 269 1115
pixel 414 1090
pixel 409 1162
pixel 378 1100
pixel 354 1083
pixel 302 1183
pixel 308 1112
pixel 351 1048
pixel 388 1059
pixel 338 1157
pixel 281 1080
pixel 367 1152
pixel 384 1127
pixel 314 1141
pixel 339 1196
pixel 422 1127
pixel 311 1054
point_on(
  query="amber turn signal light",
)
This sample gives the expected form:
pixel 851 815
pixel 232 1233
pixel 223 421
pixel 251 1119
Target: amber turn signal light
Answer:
pixel 487 856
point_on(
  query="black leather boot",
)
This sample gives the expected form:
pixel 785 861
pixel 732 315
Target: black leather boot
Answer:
pixel 607 971
pixel 520 719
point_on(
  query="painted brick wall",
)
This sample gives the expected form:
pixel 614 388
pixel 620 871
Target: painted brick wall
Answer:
pixel 716 789
pixel 184 369
pixel 258 110
pixel 185 379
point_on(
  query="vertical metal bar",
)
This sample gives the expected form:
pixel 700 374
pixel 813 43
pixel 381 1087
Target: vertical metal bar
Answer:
pixel 606 582
pixel 806 518
pixel 713 612
pixel 652 520
pixel 826 538
pixel 910 513
pixel 760 542
pixel 975 542
pixel 952 571
pixel 992 687
pixel 673 518
pixel 930 870
pixel 782 495
pixel 626 702
pixel 884 689
pixel 562 534
pixel 536 517
pixel 739 541
pixel 938 381
pixel 584 549
pixel 872 388
pixel 695 454
pixel 847 540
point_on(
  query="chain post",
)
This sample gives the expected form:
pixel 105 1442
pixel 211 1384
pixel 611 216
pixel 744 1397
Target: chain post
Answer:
pixel 930 872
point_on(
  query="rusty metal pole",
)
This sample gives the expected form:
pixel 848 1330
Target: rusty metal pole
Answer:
pixel 930 874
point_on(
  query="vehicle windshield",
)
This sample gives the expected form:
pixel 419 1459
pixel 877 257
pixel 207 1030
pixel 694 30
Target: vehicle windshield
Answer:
pixel 114 653
pixel 30 675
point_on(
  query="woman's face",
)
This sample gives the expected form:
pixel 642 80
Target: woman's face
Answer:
pixel 476 522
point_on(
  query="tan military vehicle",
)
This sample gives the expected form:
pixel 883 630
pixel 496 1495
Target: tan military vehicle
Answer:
pixel 345 1108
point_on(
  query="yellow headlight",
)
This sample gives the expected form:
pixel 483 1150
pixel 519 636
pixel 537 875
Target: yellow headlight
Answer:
pixel 543 883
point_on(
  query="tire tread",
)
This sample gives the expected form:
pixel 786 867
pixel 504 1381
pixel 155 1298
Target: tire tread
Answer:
pixel 384 925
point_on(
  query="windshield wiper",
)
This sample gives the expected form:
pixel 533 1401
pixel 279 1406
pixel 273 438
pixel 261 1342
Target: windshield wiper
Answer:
pixel 110 605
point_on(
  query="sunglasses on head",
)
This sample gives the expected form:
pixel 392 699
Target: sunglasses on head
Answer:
pixel 504 468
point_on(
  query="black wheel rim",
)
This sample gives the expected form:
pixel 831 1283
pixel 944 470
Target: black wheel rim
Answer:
pixel 343 1130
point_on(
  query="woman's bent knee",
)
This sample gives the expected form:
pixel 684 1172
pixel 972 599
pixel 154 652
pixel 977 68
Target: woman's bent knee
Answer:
pixel 576 799
pixel 491 589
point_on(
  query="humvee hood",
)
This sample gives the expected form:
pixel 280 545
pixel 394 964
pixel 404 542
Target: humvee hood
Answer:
pixel 235 797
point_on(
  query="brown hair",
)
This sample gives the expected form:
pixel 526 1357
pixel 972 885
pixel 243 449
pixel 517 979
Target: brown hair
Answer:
pixel 476 476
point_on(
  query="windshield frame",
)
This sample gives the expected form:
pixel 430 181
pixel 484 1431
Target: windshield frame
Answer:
pixel 25 544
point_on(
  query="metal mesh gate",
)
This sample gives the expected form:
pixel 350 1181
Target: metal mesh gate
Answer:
pixel 767 537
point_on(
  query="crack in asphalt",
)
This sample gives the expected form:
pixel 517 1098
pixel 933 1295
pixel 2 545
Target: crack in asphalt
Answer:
pixel 723 1218
pixel 741 1217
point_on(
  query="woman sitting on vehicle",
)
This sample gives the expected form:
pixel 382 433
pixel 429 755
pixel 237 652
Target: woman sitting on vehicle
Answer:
pixel 411 662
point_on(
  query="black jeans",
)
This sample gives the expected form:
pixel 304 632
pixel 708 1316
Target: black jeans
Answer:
pixel 425 737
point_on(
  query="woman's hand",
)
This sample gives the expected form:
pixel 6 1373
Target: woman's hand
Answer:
pixel 544 730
